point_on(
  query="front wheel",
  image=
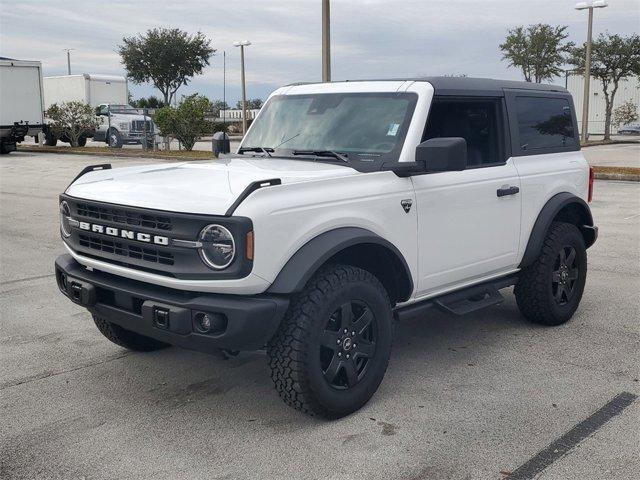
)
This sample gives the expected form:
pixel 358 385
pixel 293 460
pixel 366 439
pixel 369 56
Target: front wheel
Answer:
pixel 549 290
pixel 50 139
pixel 332 349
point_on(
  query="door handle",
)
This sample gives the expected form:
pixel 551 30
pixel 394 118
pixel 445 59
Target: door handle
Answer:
pixel 507 190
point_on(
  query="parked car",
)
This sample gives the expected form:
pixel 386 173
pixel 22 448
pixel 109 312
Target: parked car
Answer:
pixel 347 205
pixel 629 129
pixel 21 106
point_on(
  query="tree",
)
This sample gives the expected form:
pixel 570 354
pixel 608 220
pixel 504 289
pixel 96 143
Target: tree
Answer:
pixel 72 121
pixel 166 57
pixel 149 102
pixel 538 50
pixel 253 104
pixel 612 58
pixel 217 106
pixel 187 122
pixel 625 113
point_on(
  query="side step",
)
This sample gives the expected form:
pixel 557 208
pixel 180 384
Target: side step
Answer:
pixel 470 299
pixel 463 301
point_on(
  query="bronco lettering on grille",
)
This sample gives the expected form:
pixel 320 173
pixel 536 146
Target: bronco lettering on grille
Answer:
pixel 121 232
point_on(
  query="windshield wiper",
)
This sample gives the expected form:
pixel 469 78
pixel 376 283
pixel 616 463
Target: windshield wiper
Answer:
pixel 266 150
pixel 323 153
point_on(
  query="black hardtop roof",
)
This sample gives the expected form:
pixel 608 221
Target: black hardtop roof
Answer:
pixel 468 85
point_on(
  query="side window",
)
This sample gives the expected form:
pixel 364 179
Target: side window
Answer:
pixel 544 123
pixel 477 121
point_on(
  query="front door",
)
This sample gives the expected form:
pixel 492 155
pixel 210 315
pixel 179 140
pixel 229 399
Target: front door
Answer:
pixel 468 221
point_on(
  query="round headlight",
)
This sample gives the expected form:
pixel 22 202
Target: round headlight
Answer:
pixel 65 212
pixel 218 246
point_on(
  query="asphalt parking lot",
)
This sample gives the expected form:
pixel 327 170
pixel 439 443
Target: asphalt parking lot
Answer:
pixel 470 397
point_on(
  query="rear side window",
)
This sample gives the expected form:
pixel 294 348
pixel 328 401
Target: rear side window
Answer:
pixel 544 123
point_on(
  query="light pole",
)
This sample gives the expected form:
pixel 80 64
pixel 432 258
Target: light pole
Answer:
pixel 590 5
pixel 68 50
pixel 242 44
pixel 326 41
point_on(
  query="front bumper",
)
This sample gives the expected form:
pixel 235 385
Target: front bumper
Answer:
pixel 169 315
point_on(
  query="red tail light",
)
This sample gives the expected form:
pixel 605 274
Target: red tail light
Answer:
pixel 592 177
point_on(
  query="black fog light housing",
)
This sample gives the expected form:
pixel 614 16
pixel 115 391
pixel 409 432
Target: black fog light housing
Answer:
pixel 210 323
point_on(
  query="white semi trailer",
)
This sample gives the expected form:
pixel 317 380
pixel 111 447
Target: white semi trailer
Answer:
pixel 87 88
pixel 21 104
pixel 109 95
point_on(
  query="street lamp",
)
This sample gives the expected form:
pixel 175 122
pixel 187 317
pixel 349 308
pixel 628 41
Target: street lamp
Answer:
pixel 326 41
pixel 590 5
pixel 68 50
pixel 242 44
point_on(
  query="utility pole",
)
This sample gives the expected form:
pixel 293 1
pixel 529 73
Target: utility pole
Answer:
pixel 326 41
pixel 68 50
pixel 224 89
pixel 244 43
pixel 587 64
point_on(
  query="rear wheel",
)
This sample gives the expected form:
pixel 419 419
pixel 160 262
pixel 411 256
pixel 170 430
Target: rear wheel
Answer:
pixel 332 349
pixel 549 291
pixel 125 338
pixel 115 139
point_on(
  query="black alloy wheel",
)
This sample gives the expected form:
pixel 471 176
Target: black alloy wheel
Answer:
pixel 564 275
pixel 347 344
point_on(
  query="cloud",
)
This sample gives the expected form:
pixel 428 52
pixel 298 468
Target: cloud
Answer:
pixel 370 38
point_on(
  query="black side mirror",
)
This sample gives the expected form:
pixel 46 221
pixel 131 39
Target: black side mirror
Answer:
pixel 446 154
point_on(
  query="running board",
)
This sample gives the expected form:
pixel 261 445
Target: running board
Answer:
pixel 470 299
pixel 463 301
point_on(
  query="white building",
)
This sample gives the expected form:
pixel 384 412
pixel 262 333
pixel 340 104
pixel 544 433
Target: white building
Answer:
pixel 235 114
pixel 628 90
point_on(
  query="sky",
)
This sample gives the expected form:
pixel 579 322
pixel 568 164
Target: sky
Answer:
pixel 370 38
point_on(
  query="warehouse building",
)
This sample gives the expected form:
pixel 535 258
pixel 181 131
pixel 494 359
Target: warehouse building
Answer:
pixel 628 90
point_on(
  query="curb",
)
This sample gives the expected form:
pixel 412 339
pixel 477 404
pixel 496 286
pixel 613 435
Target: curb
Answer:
pixel 625 177
pixel 122 154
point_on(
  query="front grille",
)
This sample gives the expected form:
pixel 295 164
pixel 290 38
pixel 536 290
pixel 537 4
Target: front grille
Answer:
pixel 139 126
pixel 171 260
pixel 125 250
pixel 124 217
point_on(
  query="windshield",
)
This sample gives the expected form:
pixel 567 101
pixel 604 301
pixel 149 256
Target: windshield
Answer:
pixel 122 109
pixel 364 126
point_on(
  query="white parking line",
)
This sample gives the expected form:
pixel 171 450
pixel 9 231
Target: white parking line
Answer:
pixel 632 216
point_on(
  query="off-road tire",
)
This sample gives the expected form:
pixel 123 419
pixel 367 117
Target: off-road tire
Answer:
pixel 125 338
pixel 295 350
pixel 535 288
pixel 4 149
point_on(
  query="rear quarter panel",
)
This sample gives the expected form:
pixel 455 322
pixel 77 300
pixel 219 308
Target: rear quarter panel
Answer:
pixel 542 177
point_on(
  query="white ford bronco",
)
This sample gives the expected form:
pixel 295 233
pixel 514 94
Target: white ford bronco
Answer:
pixel 347 205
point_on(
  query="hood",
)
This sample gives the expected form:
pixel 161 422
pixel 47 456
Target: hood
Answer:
pixel 128 117
pixel 208 188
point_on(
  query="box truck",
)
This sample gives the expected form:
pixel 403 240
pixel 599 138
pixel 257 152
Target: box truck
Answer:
pixel 108 94
pixel 21 104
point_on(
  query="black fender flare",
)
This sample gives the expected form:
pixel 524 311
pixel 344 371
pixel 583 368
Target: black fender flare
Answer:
pixel 583 220
pixel 312 255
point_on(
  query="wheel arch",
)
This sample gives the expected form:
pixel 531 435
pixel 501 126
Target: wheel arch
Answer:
pixel 353 246
pixel 563 207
